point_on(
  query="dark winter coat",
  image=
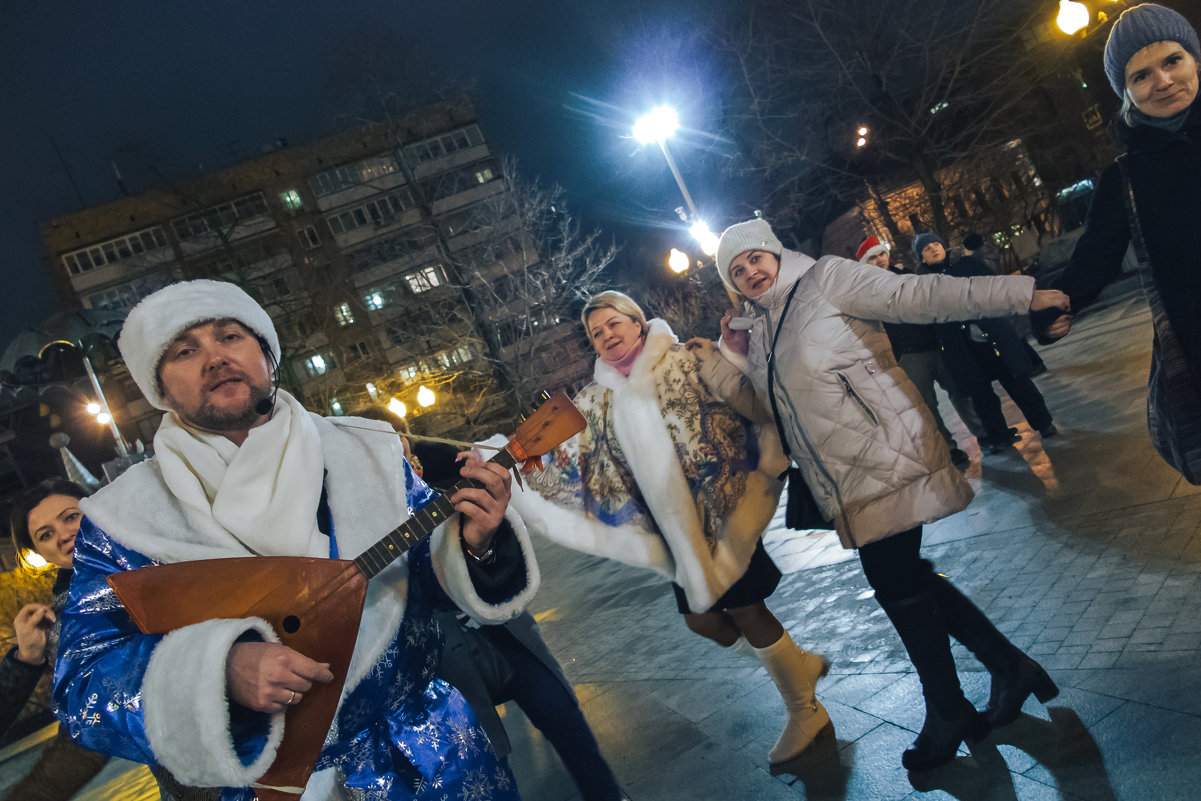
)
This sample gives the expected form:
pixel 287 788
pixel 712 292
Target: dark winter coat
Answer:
pixel 909 337
pixel 954 339
pixel 1165 171
pixel 18 679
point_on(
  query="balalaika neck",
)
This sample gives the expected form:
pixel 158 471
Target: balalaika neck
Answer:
pixel 420 524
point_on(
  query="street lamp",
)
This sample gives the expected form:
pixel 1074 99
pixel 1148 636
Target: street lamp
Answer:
pixel 1072 16
pixel 657 126
pixel 397 407
pixel 678 261
pixel 425 396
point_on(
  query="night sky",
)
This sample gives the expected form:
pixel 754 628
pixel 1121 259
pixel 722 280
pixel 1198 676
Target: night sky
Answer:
pixel 162 87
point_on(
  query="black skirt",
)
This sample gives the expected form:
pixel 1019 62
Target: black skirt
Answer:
pixel 756 584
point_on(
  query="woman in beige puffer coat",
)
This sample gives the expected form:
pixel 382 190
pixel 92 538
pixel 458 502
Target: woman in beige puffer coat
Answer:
pixel 869 449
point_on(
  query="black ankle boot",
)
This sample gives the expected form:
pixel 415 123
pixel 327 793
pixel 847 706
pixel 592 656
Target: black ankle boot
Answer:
pixel 1011 689
pixel 940 737
pixel 1014 674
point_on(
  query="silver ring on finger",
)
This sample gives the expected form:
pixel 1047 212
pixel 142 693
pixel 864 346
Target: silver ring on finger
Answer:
pixel 291 698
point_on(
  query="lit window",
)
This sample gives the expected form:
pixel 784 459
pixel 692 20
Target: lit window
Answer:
pixel 335 407
pixel 484 175
pixel 291 199
pixel 408 372
pixel 343 314
pixel 315 365
pixel 424 280
pixel 372 391
pixel 374 300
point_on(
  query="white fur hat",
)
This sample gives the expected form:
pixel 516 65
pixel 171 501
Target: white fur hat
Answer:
pixel 739 238
pixel 154 324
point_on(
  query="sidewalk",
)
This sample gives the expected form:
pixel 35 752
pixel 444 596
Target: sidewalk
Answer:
pixel 1086 552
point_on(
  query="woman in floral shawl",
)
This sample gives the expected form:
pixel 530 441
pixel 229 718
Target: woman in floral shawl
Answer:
pixel 668 477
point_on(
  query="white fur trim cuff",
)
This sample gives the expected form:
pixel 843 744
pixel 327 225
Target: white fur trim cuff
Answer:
pixel 450 566
pixel 187 709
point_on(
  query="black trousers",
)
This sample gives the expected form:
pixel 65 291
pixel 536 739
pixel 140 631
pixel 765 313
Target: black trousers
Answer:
pixel 978 384
pixel 554 712
pixel 894 567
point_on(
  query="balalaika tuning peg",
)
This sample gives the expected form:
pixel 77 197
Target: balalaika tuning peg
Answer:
pixel 543 396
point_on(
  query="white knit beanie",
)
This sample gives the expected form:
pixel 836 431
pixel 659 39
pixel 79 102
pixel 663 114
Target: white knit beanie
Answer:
pixel 159 318
pixel 739 238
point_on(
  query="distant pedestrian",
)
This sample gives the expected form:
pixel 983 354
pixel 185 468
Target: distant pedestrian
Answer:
pixel 1151 195
pixel 668 477
pixel 982 351
pixel 869 452
pixel 915 347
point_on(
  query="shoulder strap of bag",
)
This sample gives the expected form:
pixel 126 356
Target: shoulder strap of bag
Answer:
pixel 771 372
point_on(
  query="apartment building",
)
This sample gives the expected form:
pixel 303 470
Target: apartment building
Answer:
pixel 382 255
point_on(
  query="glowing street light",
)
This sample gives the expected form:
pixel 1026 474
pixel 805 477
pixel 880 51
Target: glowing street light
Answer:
pixel 104 418
pixel 657 125
pixel 93 408
pixel 678 261
pixel 425 396
pixel 705 238
pixel 1072 16
pixel 397 407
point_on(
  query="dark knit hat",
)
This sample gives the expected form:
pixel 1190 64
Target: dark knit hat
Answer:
pixel 973 241
pixel 1138 27
pixel 921 240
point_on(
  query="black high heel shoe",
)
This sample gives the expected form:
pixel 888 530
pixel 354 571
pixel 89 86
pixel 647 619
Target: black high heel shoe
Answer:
pixel 1009 691
pixel 940 737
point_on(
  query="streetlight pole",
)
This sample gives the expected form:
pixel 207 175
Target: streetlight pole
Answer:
pixel 658 126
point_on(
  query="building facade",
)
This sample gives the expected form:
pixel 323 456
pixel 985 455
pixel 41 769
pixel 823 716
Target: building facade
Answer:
pixel 377 252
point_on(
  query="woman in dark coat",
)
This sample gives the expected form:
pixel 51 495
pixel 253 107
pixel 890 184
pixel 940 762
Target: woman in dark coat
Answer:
pixel 44 521
pixel 1151 60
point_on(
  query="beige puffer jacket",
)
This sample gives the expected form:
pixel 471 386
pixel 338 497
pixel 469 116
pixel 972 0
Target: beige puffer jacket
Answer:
pixel 858 429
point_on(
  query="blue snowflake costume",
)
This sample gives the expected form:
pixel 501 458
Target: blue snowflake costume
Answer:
pixel 160 699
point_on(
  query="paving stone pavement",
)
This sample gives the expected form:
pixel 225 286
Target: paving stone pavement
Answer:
pixel 1084 549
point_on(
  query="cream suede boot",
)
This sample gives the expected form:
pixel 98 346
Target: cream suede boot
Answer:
pixel 795 673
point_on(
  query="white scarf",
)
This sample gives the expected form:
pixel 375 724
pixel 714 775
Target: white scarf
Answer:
pixel 264 493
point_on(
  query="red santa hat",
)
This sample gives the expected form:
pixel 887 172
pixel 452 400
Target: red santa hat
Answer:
pixel 870 247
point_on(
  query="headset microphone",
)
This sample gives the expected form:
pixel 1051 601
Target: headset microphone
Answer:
pixel 267 405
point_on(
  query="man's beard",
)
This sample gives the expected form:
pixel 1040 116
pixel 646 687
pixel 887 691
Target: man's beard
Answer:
pixel 211 418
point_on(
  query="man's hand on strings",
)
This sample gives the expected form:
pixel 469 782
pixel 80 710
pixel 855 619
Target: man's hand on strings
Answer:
pixel 483 509
pixel 270 677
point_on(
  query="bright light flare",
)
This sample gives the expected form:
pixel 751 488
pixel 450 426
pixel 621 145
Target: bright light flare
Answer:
pixel 862 130
pixel 93 408
pixel 34 559
pixel 1072 16
pixel 704 237
pixel 657 125
pixel 104 418
pixel 861 142
pixel 397 407
pixel 678 261
pixel 425 396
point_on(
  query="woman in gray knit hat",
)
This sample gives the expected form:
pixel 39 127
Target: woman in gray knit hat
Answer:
pixel 867 446
pixel 1151 196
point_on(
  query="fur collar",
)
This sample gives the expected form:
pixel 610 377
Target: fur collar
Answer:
pixel 659 339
